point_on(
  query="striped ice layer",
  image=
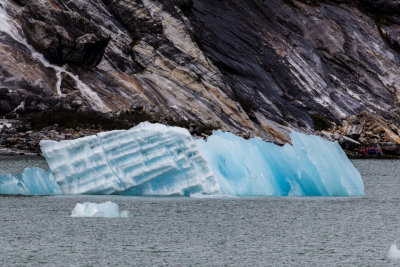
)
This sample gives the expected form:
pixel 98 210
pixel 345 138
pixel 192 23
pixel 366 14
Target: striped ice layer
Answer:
pixel 150 159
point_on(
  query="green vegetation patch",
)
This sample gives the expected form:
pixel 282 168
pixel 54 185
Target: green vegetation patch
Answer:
pixel 98 121
pixel 67 119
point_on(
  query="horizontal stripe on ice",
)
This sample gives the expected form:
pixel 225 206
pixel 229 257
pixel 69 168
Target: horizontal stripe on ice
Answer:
pixel 149 159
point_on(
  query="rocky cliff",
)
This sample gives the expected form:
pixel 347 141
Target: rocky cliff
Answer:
pixel 256 68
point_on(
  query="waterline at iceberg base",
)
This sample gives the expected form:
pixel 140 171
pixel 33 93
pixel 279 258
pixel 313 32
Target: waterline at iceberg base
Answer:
pixel 154 159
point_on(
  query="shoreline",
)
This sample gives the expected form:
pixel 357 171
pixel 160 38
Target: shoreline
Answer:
pixel 352 155
pixel 4 151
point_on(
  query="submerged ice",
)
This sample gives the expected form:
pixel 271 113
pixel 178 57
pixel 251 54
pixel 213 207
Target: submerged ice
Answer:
pixel 154 159
pixel 33 181
pixel 105 210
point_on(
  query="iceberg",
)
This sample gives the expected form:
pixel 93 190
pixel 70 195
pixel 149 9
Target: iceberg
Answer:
pixel 149 159
pixel 33 181
pixel 311 166
pixel 155 159
pixel 104 210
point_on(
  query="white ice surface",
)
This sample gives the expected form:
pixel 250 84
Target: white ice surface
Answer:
pixel 149 159
pixel 104 210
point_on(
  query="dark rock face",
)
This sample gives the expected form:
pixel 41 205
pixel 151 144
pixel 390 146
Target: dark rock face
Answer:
pixel 62 36
pixel 256 68
pixel 185 5
pixel 295 60
pixel 386 6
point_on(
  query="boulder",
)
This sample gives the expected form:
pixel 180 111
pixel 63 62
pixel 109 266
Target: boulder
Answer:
pixel 367 129
pixel 62 36
pixel 348 143
pixel 390 148
pixel 391 33
pixel 354 131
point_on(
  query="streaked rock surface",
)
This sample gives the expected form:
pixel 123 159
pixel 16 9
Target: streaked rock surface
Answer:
pixel 255 68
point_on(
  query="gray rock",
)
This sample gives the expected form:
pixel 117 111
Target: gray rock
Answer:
pixel 63 36
pixel 390 148
pixel 5 106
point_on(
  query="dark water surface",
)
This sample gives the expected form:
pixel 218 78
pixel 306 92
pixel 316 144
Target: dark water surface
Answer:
pixel 263 231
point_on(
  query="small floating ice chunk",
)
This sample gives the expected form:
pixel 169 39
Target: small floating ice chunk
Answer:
pixel 199 195
pixel 104 210
pixel 394 252
pixel 125 214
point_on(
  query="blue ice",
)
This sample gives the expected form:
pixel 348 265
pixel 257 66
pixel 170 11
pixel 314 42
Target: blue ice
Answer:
pixel 33 181
pixel 311 166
